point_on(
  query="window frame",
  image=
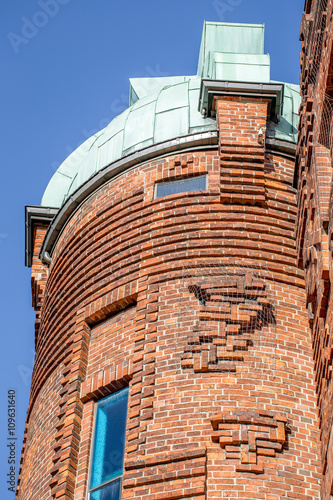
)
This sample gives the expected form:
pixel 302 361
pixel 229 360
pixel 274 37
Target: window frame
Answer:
pixel 180 179
pixel 91 490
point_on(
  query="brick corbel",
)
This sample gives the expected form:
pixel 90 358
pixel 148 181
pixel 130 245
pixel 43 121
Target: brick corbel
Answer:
pixel 249 436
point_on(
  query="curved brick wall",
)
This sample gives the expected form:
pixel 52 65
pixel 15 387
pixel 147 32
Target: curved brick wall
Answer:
pixel 110 317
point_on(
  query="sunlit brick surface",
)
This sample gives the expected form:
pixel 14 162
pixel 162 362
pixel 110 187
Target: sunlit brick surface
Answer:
pixel 110 317
pixel 314 223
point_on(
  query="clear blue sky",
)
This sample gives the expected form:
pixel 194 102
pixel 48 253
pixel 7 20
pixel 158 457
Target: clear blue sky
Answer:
pixel 65 70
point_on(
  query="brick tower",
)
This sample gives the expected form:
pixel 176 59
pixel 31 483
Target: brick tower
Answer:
pixel 313 177
pixel 173 347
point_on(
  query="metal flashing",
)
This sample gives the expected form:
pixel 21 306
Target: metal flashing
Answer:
pixel 35 215
pixel 237 67
pixel 212 88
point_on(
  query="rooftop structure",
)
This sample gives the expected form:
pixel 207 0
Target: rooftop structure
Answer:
pixel 166 113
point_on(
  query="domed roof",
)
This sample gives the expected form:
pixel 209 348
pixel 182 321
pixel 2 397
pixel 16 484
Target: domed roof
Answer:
pixel 164 109
pixel 167 114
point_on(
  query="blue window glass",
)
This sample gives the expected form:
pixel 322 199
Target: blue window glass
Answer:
pixel 109 446
pixel 110 491
pixel 182 186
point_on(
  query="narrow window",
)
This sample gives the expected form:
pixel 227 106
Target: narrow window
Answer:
pixel 109 446
pixel 189 184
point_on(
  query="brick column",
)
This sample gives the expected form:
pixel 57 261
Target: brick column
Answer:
pixel 239 120
pixel 242 125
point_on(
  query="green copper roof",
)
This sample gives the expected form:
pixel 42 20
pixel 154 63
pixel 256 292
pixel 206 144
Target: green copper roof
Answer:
pixel 163 109
pixel 287 127
pixel 230 38
pixel 237 67
pixel 170 112
pixel 142 87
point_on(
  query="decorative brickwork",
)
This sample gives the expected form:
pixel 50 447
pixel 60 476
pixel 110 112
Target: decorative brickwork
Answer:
pixel 242 151
pixel 247 435
pixel 231 308
pixel 110 379
pixel 39 277
pixel 242 175
pixel 111 316
pixel 171 476
pixel 314 225
pixel 68 427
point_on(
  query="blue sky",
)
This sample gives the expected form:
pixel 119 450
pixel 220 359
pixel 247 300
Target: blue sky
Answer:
pixel 65 71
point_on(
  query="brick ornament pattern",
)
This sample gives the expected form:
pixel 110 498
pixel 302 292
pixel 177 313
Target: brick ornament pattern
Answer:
pixel 232 308
pixel 123 243
pixel 247 435
pixel 167 476
pixel 314 229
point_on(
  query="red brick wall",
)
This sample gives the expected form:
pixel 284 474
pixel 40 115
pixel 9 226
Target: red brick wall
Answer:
pixel 314 224
pixel 39 441
pixel 111 317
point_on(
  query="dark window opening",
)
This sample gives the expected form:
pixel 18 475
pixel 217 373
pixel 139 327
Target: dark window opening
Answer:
pixel 187 185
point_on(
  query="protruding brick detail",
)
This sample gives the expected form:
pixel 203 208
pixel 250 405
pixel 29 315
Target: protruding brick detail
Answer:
pixel 242 175
pixel 242 124
pixel 314 229
pixel 122 242
pixel 68 428
pixel 167 476
pixel 141 401
pixel 39 274
pixel 82 472
pixel 247 435
pixel 230 307
pixel 22 458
